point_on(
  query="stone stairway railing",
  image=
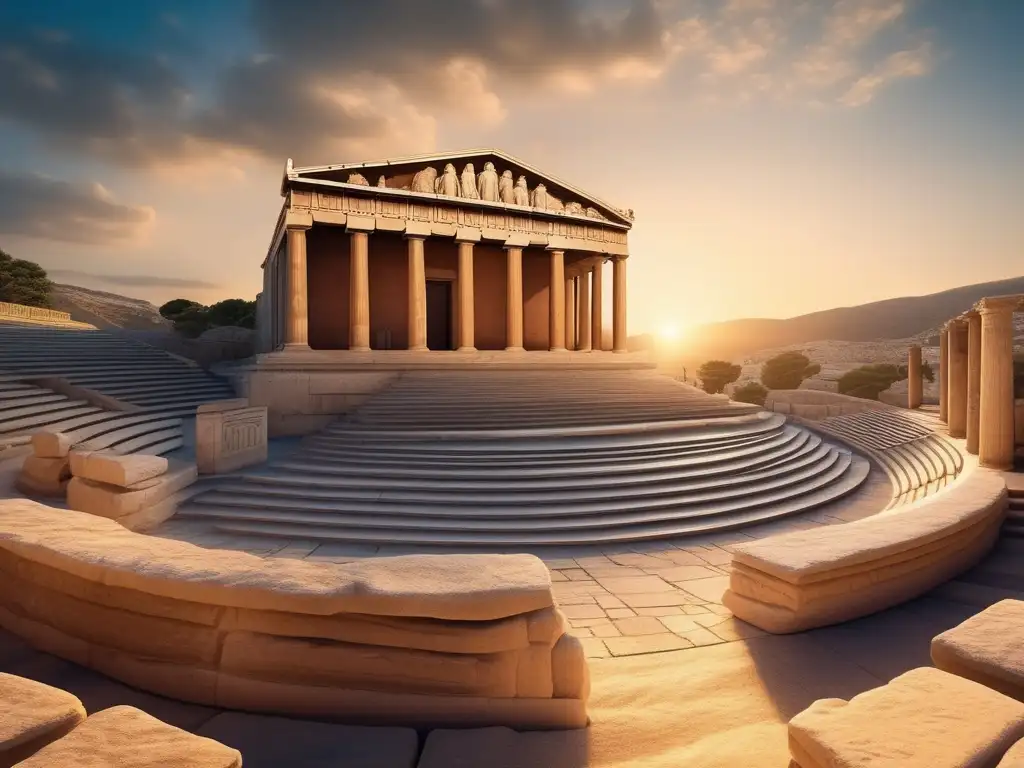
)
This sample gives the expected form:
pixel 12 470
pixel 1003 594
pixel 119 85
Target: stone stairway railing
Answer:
pixel 23 313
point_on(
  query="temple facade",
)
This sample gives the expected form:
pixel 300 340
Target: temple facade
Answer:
pixel 468 251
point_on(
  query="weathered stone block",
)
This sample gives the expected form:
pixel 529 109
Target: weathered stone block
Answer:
pixel 230 438
pixel 50 445
pixel 116 502
pixel 127 736
pixel 44 476
pixel 122 471
pixel 32 715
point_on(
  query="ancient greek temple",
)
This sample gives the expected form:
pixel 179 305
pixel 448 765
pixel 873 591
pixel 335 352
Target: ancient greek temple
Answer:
pixel 976 389
pixel 465 251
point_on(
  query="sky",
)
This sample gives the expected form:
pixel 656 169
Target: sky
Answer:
pixel 781 156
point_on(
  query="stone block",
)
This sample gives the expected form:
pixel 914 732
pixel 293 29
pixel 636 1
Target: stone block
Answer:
pixel 122 471
pixel 1014 758
pixel 230 439
pixel 32 715
pixel 569 670
pixel 116 502
pixel 47 444
pixel 44 476
pixel 223 405
pixel 925 718
pixel 987 648
pixel 125 736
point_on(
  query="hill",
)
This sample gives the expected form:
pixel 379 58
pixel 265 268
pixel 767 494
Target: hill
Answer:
pixel 900 318
pixel 107 310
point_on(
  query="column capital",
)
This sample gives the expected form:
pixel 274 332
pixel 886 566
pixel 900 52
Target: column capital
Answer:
pixel 467 235
pixel 416 229
pixel 297 227
pixel 517 240
pixel 298 220
pixel 993 304
pixel 364 224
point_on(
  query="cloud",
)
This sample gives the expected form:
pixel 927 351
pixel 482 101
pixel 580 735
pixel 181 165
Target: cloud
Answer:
pixel 37 206
pixel 134 281
pixel 902 64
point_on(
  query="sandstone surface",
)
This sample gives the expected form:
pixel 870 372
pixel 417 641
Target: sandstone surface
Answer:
pixel 122 471
pixel 50 445
pixel 987 648
pixel 32 715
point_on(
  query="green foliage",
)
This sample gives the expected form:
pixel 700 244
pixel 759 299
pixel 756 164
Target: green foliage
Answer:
pixel 868 380
pixel 175 307
pixel 787 370
pixel 927 373
pixel 751 392
pixel 191 318
pixel 715 374
pixel 24 282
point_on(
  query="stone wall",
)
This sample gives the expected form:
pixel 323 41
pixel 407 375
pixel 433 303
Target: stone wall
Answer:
pixel 816 405
pixel 420 640
pixel 37 315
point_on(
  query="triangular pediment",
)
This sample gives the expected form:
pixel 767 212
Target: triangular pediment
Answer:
pixel 400 174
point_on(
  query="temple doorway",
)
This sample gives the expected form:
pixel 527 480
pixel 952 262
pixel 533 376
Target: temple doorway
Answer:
pixel 439 314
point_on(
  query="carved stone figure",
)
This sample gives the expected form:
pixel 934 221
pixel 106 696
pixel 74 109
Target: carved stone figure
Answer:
pixel 424 180
pixel 358 178
pixel 539 198
pixel 554 204
pixel 505 187
pixel 521 193
pixel 469 183
pixel 593 213
pixel 487 183
pixel 574 208
pixel 382 182
pixel 448 184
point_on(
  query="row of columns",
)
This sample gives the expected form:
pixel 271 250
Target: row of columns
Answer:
pixel 976 380
pixel 564 314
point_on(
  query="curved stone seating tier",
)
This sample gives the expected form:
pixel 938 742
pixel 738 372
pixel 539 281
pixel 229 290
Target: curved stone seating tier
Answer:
pixel 420 640
pixel 117 367
pixel 560 485
pixel 25 408
pixel 835 573
pixel 918 460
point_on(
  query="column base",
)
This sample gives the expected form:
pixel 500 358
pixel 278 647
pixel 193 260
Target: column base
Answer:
pixel 620 351
pixel 514 349
pixel 294 347
pixel 358 349
pixel 424 348
pixel 466 349
pixel 996 465
pixel 558 349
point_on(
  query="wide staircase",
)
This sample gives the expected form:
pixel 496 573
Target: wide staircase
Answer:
pixel 510 459
pixel 156 390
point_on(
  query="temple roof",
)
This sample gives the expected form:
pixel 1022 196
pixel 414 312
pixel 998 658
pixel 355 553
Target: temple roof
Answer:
pixel 399 171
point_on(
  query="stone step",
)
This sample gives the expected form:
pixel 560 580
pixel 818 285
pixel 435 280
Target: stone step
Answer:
pixel 38 401
pixel 365 532
pixel 158 388
pixel 136 435
pixel 46 418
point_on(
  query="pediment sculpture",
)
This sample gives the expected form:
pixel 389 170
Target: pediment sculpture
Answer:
pixel 487 183
pixel 505 187
pixel 521 193
pixel 448 184
pixel 539 197
pixel 424 180
pixel 358 178
pixel 382 182
pixel 469 190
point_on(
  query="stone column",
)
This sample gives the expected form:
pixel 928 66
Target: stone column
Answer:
pixel 957 379
pixel 467 332
pixel 359 292
pixel 995 434
pixel 596 301
pixel 973 381
pixel 915 389
pixel 584 309
pixel 944 374
pixel 417 294
pixel 514 299
pixel 619 305
pixel 570 313
pixel 296 327
pixel 556 310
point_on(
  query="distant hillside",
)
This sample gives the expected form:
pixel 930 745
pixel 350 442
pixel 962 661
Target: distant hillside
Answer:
pixel 900 318
pixel 107 310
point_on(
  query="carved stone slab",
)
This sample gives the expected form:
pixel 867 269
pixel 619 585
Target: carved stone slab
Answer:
pixel 230 438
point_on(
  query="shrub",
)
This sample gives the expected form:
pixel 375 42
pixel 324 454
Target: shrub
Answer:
pixel 175 307
pixel 191 318
pixel 868 380
pixel 24 282
pixel 715 374
pixel 787 370
pixel 751 392
pixel 927 373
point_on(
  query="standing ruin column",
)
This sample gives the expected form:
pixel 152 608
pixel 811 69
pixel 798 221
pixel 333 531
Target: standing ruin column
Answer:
pixel 296 326
pixel 944 374
pixel 915 388
pixel 514 299
pixel 619 305
pixel 556 310
pixel 996 433
pixel 973 381
pixel 570 313
pixel 596 321
pixel 417 294
pixel 359 292
pixel 584 332
pixel 467 319
pixel 957 379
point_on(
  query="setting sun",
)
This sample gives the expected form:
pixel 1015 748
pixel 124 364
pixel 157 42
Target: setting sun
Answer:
pixel 669 332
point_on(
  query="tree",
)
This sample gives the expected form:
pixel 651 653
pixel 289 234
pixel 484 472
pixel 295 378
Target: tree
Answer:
pixel 868 380
pixel 24 282
pixel 787 370
pixel 751 392
pixel 175 307
pixel 927 372
pixel 715 374
pixel 237 312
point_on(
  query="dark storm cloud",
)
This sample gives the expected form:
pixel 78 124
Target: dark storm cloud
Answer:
pixel 133 281
pixel 37 206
